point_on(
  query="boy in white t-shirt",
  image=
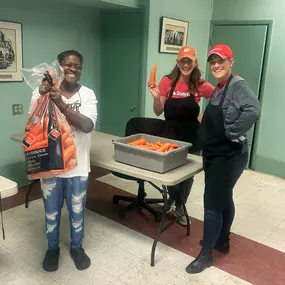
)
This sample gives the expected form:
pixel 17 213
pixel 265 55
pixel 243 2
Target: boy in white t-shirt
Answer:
pixel 79 104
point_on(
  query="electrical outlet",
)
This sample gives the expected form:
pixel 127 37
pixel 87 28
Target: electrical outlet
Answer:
pixel 17 109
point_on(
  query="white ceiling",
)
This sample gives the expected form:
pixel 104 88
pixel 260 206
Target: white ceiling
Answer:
pixel 98 4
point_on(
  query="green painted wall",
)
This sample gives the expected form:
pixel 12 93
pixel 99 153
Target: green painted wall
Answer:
pixel 46 32
pixel 198 13
pixel 271 136
pixel 49 30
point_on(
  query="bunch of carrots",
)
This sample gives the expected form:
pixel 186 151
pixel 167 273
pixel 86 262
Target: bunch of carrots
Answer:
pixel 39 139
pixel 37 132
pixel 157 146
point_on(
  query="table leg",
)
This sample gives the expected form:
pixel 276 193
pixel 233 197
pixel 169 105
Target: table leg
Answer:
pixel 28 193
pixel 160 229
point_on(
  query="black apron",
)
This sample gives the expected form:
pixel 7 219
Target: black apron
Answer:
pixel 181 121
pixel 224 160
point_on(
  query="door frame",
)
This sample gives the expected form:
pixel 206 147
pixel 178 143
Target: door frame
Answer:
pixel 269 24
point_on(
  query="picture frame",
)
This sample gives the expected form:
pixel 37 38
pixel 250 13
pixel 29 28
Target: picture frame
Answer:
pixel 173 35
pixel 11 51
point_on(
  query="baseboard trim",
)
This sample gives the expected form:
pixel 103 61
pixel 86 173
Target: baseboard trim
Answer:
pixel 270 166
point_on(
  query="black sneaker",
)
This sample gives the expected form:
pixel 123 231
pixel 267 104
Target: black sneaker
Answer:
pixel 80 258
pixel 50 262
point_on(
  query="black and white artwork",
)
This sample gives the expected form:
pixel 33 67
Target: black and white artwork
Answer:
pixel 10 51
pixel 173 35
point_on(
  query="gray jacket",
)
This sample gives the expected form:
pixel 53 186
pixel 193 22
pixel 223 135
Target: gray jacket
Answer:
pixel 241 108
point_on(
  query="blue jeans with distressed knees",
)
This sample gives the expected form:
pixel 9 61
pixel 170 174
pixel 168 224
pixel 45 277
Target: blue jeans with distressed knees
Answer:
pixel 54 191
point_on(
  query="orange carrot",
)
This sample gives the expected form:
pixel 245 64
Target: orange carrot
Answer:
pixel 65 128
pixel 148 147
pixel 65 136
pixel 67 154
pixel 152 148
pixel 37 145
pixel 152 77
pixel 138 142
pixel 71 163
pixel 164 148
pixel 39 137
pixel 158 143
pixel 36 130
pixel 68 142
pixel 157 146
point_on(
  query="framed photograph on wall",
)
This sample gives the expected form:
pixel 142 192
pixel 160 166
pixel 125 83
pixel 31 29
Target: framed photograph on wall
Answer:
pixel 173 35
pixel 11 57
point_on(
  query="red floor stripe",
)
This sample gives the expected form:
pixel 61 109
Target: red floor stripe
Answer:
pixel 248 260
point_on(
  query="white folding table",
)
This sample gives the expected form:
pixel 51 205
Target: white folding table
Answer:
pixel 8 188
pixel 102 155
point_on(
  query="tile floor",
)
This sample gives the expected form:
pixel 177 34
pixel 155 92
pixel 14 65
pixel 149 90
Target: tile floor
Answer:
pixel 121 255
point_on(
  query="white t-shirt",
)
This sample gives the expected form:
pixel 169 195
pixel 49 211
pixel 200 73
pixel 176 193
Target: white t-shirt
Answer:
pixel 85 102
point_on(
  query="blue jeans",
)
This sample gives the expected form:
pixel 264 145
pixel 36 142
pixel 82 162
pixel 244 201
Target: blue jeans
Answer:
pixel 216 224
pixel 74 190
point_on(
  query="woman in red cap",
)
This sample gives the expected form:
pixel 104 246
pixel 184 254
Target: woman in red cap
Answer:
pixel 231 112
pixel 177 96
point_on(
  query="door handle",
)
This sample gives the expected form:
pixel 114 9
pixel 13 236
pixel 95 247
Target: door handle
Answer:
pixel 133 108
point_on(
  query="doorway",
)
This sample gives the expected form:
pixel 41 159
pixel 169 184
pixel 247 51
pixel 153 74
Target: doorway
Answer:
pixel 121 52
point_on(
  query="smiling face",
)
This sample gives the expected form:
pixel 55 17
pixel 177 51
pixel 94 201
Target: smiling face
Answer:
pixel 221 68
pixel 186 66
pixel 72 67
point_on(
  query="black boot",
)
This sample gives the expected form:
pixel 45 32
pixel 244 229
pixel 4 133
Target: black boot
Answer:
pixel 80 258
pixel 50 262
pixel 202 261
pixel 223 243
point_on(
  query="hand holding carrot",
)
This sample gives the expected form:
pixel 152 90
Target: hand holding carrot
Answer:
pixel 154 91
pixel 44 88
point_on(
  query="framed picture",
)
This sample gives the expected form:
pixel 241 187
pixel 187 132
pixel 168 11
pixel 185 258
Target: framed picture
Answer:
pixel 11 57
pixel 173 35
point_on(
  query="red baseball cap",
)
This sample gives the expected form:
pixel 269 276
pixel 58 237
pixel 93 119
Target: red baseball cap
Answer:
pixel 221 50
